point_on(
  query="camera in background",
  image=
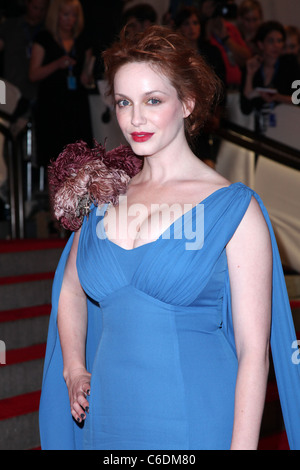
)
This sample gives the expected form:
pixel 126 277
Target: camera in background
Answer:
pixel 225 9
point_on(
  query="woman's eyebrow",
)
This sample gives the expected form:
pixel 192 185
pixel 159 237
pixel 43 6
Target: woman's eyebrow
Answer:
pixel 155 91
pixel 147 93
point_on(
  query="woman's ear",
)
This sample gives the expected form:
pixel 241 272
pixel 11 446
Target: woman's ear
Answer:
pixel 188 107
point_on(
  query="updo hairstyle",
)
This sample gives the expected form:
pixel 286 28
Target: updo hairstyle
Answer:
pixel 169 53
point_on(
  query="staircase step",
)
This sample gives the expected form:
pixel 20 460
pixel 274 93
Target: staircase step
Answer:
pixel 23 313
pixel 29 256
pixel 19 405
pixel 25 291
pixel 17 356
pixel 27 331
pixel 23 371
pixel 20 379
pixel 23 278
pixel 20 432
pixel 13 246
pixel 19 427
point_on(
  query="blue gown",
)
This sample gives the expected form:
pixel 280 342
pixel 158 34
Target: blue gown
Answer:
pixel 160 342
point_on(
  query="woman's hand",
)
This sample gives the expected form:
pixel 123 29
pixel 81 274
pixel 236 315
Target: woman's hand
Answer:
pixel 78 383
pixel 268 97
pixel 65 61
pixel 253 64
pixel 38 71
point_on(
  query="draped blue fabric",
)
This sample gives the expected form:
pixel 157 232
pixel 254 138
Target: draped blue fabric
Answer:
pixel 160 343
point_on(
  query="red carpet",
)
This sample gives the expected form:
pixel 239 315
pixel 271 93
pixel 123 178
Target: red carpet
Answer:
pixel 19 405
pixel 9 246
pixel 16 356
pixel 25 278
pixel 23 313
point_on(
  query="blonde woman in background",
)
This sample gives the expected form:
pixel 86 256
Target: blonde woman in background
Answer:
pixel 59 56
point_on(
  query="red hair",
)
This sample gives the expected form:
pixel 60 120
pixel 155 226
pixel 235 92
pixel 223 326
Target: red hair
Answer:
pixel 169 53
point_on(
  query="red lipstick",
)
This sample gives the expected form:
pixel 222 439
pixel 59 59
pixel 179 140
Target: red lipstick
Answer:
pixel 141 136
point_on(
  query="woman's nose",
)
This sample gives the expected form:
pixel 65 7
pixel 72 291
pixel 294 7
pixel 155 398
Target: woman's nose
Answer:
pixel 138 117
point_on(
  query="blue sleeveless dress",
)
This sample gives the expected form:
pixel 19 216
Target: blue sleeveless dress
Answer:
pixel 160 341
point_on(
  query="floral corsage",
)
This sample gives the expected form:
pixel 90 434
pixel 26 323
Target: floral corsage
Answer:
pixel 82 176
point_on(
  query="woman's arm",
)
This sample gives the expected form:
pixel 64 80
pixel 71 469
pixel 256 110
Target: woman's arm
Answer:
pixel 252 67
pixel 250 269
pixel 234 42
pixel 87 77
pixel 276 97
pixel 38 71
pixel 249 96
pixel 72 327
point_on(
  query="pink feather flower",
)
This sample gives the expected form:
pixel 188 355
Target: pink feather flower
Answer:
pixel 82 176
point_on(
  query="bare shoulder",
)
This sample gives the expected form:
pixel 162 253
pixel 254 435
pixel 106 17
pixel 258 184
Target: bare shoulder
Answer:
pixel 254 219
pixel 252 235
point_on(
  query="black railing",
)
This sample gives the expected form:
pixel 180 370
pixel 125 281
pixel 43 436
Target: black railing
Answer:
pixel 17 152
pixel 260 144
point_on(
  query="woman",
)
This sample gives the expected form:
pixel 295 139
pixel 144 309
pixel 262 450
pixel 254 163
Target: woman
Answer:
pixel 187 22
pixel 226 36
pixel 268 76
pixel 173 352
pixel 250 17
pixel 292 42
pixel 58 61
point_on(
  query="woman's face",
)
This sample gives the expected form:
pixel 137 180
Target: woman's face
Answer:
pixel 272 45
pixel 208 8
pixel 68 17
pixel 292 45
pixel 36 10
pixel 148 109
pixel 191 28
pixel 250 22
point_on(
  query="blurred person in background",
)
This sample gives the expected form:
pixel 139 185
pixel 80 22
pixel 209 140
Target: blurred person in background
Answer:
pixel 222 33
pixel 268 76
pixel 161 7
pixel 59 61
pixel 292 42
pixel 250 17
pixel 139 17
pixel 16 39
pixel 188 23
pixel 17 35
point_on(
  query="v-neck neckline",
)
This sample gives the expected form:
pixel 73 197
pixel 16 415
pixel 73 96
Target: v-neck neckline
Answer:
pixel 188 213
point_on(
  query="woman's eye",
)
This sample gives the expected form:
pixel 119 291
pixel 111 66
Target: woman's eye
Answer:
pixel 123 103
pixel 154 101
